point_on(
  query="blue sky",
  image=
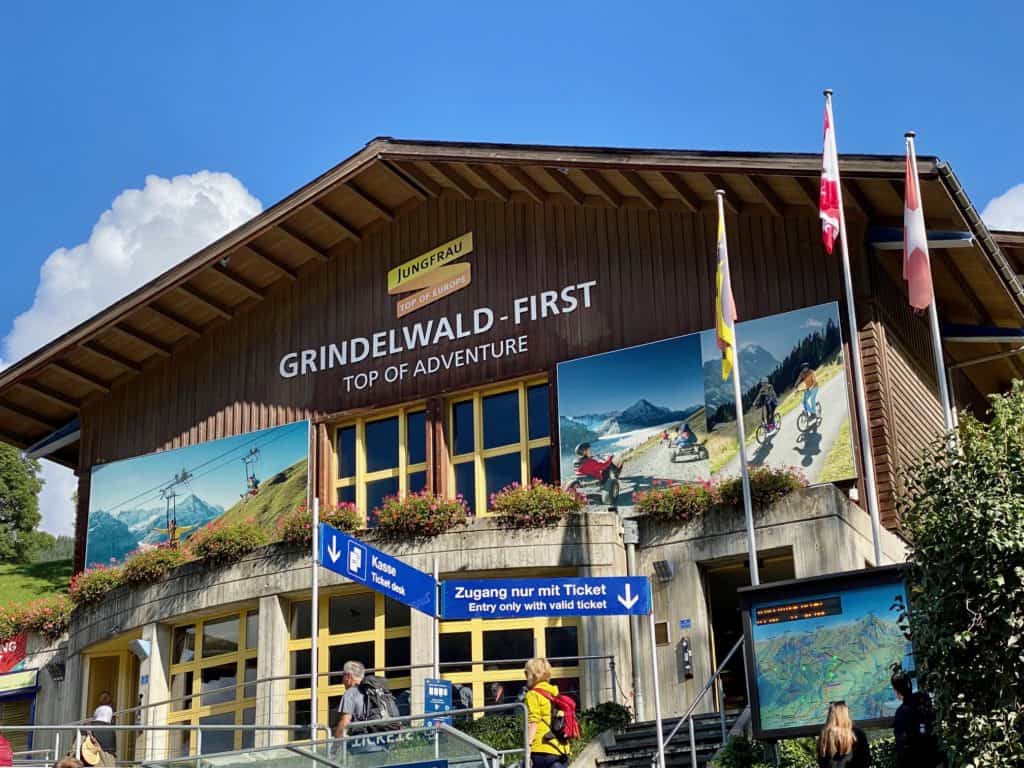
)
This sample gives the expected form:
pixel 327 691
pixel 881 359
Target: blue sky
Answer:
pixel 100 99
pixel 857 603
pixel 219 473
pixel 667 373
pixel 776 333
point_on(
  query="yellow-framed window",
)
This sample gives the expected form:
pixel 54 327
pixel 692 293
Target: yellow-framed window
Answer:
pixel 355 625
pixel 213 681
pixel 380 455
pixel 498 436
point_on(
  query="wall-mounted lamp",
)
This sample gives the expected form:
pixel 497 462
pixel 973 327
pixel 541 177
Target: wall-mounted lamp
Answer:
pixel 664 571
pixel 141 648
pixel 56 668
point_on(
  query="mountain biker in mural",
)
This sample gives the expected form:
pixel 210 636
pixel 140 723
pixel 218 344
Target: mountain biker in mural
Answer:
pixel 809 381
pixel 586 464
pixel 767 400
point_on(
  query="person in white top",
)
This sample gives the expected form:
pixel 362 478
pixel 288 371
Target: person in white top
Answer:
pixel 104 712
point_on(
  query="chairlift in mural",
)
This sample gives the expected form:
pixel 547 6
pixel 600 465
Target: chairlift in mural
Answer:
pixel 169 494
pixel 251 463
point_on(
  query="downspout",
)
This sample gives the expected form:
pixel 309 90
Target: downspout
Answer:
pixel 631 537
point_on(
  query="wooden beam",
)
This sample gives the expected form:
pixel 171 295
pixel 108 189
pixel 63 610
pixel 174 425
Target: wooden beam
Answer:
pixel 56 398
pixel 337 221
pixel 604 187
pixel 811 192
pixel 565 183
pixel 651 198
pixel 490 181
pixel 111 357
pixel 81 377
pixel 899 188
pixel 215 306
pixel 853 193
pixel 525 180
pixel 19 441
pixel 146 340
pixel 460 183
pixel 171 317
pixel 690 198
pixel 280 266
pixel 733 202
pixel 420 178
pixel 28 415
pixel 303 241
pixel 411 184
pixel 771 199
pixel 239 282
pixel 370 200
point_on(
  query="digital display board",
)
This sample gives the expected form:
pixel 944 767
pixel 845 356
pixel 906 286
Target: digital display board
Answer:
pixel 814 641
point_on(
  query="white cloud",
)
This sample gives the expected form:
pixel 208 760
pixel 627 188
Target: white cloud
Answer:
pixel 145 232
pixel 1006 211
pixel 812 323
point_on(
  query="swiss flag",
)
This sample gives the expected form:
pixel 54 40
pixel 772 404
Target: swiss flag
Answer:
pixel 829 199
pixel 917 268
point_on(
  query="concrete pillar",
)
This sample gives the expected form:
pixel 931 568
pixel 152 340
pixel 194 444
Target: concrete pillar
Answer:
pixel 421 628
pixel 272 661
pixel 155 686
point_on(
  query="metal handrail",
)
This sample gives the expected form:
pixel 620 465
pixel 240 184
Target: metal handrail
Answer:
pixel 688 717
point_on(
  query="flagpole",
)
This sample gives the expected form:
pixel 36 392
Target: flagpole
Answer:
pixel 933 312
pixel 863 426
pixel 748 507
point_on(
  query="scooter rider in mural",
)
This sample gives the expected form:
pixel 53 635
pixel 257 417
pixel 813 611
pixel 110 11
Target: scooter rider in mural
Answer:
pixel 809 381
pixel 586 464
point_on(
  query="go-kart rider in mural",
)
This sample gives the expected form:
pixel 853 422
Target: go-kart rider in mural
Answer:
pixel 686 437
pixel 598 469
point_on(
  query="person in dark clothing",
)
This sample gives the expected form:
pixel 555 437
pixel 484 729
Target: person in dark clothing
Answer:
pixel 767 400
pixel 840 745
pixel 914 727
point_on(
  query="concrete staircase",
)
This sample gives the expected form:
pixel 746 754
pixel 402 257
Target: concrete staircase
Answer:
pixel 637 746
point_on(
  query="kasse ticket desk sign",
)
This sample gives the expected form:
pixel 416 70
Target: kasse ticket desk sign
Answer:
pixel 379 571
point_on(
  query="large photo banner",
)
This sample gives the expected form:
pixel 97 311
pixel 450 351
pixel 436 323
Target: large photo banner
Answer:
pixel 660 414
pixel 143 501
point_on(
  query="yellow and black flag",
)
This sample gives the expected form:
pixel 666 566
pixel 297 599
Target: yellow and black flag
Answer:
pixel 725 307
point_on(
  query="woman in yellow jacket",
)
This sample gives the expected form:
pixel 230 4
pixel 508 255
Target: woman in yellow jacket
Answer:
pixel 546 751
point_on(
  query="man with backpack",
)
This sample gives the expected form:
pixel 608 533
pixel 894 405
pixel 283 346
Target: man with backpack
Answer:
pixel 551 718
pixel 914 727
pixel 366 698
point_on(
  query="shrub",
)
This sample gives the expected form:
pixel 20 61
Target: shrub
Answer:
pixel 501 732
pixel 676 503
pixel 419 515
pixel 767 486
pixel 296 527
pixel 221 543
pixel 537 505
pixel 742 752
pixel 607 715
pixel 47 616
pixel 145 566
pixel 90 586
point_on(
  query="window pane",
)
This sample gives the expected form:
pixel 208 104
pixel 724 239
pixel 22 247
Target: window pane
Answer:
pixel 302 664
pixel 339 654
pixel 465 483
pixel 416 437
pixel 562 643
pixel 182 743
pixel 184 644
pixel 540 463
pixel 514 644
pixel 252 629
pixel 250 679
pixel 347 452
pixel 382 444
pixel 502 471
pixel 351 613
pixel 347 494
pixel 504 692
pixel 403 699
pixel 220 636
pixel 417 482
pixel 537 409
pixel 462 427
pixel 217 741
pixel 249 718
pixel 299 715
pixel 333 716
pixel 501 419
pixel 376 492
pixel 218 684
pixel 456 646
pixel 302 615
pixel 397 653
pixel 395 614
pixel 181 690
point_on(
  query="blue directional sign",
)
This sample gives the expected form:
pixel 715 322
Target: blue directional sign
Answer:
pixel 554 596
pixel 367 565
pixel 437 698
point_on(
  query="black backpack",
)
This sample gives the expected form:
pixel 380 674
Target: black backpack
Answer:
pixel 922 743
pixel 380 704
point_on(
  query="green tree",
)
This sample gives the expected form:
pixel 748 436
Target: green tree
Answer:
pixel 963 511
pixel 20 485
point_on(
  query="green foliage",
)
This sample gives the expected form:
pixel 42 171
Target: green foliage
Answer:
pixel 91 585
pixel 963 511
pixel 296 527
pixel 767 486
pixel 419 515
pixel 682 502
pixel 21 583
pixel 537 505
pixel 221 543
pixel 146 566
pixel 48 616
pixel 742 752
pixel 62 548
pixel 277 494
pixel 677 503
pixel 20 485
pixel 607 715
